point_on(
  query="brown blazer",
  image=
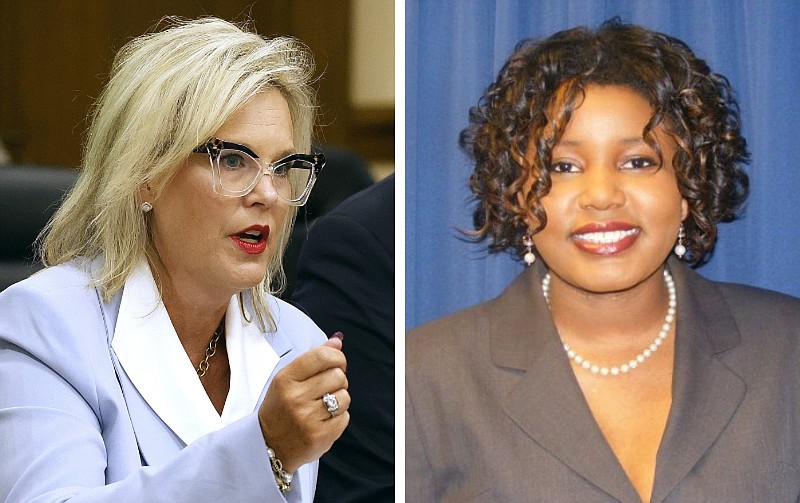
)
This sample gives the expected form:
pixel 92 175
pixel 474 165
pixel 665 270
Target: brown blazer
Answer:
pixel 494 412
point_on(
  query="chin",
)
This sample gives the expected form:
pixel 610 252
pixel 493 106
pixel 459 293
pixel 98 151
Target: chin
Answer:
pixel 251 281
pixel 625 280
pixel 599 280
pixel 248 276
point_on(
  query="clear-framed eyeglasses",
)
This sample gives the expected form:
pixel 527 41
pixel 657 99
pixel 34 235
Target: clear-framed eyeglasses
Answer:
pixel 235 171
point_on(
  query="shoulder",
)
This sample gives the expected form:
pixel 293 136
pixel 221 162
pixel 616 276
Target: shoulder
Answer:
pixel 54 280
pixel 56 316
pixel 744 304
pixel 64 289
pixel 750 299
pixel 377 197
pixel 449 341
pixel 759 309
pixel 444 329
pixel 370 212
pixel 766 322
pixel 513 323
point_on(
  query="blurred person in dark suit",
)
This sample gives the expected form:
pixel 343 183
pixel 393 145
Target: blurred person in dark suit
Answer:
pixel 345 282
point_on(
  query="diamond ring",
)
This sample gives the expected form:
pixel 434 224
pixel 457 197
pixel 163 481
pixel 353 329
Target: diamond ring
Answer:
pixel 331 403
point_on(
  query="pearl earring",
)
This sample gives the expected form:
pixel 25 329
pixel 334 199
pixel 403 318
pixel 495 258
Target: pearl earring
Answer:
pixel 529 256
pixel 679 249
pixel 146 207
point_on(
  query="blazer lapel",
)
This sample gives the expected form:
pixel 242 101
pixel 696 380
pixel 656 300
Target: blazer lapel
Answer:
pixel 548 404
pixel 156 441
pixel 705 392
pixel 157 444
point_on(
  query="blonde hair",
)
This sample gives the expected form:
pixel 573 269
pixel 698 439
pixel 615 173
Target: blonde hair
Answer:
pixel 170 91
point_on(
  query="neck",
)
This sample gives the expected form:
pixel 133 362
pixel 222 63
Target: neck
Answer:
pixel 194 316
pixel 618 321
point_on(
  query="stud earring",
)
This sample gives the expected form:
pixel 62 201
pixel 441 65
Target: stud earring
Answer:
pixel 146 207
pixel 680 249
pixel 529 256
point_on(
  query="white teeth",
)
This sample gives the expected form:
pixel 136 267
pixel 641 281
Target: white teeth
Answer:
pixel 605 237
pixel 254 236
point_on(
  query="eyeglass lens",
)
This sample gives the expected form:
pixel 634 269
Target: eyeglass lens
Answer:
pixel 238 173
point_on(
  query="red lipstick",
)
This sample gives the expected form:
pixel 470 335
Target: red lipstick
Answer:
pixel 252 240
pixel 605 238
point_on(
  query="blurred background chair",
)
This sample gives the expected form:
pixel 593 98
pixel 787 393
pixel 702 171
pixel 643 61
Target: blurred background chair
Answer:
pixel 28 197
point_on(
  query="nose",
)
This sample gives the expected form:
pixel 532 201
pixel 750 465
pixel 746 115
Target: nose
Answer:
pixel 264 191
pixel 602 189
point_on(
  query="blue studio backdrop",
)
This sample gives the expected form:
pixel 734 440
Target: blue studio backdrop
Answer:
pixel 454 50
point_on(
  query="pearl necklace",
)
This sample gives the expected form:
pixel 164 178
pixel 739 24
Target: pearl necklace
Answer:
pixel 636 360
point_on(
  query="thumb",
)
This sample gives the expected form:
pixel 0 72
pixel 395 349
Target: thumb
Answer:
pixel 335 341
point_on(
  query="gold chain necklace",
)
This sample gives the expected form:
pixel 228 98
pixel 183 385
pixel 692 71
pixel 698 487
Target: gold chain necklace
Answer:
pixel 211 350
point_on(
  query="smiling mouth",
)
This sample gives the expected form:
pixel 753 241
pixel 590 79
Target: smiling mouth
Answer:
pixel 605 242
pixel 605 237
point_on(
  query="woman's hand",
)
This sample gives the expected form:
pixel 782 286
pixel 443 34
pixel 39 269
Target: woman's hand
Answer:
pixel 294 420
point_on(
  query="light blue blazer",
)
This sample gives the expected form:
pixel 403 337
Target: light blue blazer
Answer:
pixel 74 427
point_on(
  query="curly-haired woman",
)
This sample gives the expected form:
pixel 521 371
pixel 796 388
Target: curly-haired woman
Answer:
pixel 609 370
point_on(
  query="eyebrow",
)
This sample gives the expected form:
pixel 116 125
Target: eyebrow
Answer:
pixel 239 146
pixel 285 153
pixel 249 151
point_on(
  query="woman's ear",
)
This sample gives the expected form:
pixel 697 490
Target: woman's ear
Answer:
pixel 146 193
pixel 529 219
pixel 684 209
pixel 146 198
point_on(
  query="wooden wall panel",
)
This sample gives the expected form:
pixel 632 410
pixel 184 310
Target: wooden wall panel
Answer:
pixel 55 57
pixel 50 80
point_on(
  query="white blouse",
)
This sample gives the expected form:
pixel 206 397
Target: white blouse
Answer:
pixel 149 350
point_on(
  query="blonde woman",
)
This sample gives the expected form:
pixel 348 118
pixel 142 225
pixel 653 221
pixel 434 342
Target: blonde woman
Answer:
pixel 149 361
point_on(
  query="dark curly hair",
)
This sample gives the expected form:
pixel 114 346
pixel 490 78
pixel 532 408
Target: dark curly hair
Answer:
pixel 525 111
